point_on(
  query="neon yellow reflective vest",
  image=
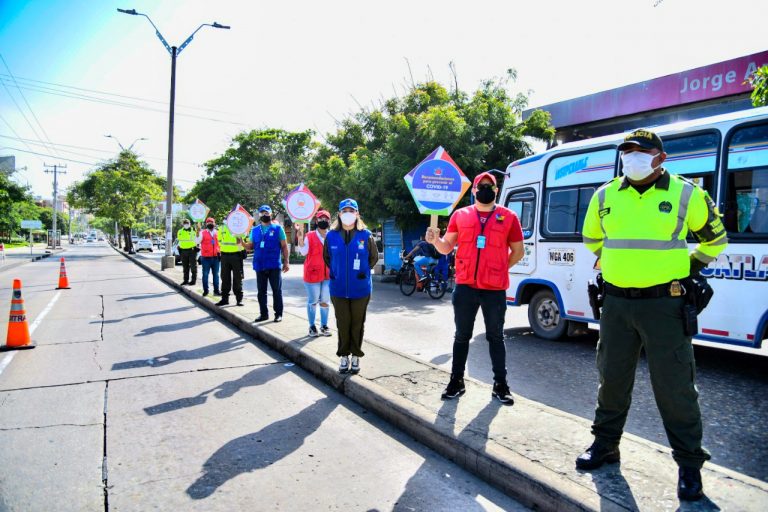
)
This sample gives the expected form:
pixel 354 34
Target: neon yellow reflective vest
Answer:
pixel 641 238
pixel 186 238
pixel 228 241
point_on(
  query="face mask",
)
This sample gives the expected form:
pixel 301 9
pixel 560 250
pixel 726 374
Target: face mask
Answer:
pixel 348 218
pixel 485 195
pixel 265 218
pixel 637 165
pixel 186 226
pixel 322 224
pixel 209 226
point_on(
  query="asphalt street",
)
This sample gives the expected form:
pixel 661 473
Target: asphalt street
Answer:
pixel 562 374
pixel 136 399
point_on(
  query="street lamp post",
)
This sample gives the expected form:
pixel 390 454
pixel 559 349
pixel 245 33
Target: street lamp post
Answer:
pixel 168 260
pixel 122 148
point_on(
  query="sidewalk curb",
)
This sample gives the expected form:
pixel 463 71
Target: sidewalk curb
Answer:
pixel 39 257
pixel 532 483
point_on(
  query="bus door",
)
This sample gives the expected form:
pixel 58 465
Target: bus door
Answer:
pixel 523 200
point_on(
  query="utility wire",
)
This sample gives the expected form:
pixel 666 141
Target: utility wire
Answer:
pixel 21 111
pixel 42 129
pixel 17 135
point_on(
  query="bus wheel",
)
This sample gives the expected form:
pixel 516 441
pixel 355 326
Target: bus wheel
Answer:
pixel 544 316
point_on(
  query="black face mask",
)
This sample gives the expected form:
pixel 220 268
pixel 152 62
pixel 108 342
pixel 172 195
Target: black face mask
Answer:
pixel 322 224
pixel 209 226
pixel 485 195
pixel 265 218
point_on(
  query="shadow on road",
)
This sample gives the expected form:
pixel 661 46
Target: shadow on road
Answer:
pixel 260 449
pixel 143 296
pixel 183 355
pixel 151 313
pixel 180 326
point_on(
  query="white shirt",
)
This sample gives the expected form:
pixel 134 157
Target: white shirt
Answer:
pixel 199 237
pixel 304 249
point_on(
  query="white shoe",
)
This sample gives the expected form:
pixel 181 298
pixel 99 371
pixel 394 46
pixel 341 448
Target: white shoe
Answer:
pixel 344 365
pixel 355 364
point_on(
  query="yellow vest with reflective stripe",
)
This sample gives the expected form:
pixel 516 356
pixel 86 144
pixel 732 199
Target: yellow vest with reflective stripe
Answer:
pixel 228 241
pixel 641 238
pixel 186 238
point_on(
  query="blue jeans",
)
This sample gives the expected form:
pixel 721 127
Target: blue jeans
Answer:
pixel 423 260
pixel 318 293
pixel 211 263
pixel 466 301
pixel 274 277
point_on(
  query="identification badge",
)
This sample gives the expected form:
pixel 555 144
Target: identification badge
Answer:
pixel 481 242
pixel 261 245
pixel 675 289
pixel 356 264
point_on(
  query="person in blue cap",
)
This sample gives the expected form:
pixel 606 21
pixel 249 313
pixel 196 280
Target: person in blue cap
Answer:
pixel 350 253
pixel 268 241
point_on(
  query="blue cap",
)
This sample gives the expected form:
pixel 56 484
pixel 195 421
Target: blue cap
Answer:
pixel 348 203
pixel 265 208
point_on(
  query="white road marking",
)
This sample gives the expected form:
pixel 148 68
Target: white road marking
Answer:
pixel 9 356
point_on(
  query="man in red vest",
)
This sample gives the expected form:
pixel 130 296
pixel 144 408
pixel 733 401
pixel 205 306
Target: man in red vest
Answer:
pixel 490 240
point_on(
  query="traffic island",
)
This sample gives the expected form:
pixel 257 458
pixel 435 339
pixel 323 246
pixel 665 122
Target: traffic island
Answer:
pixel 527 450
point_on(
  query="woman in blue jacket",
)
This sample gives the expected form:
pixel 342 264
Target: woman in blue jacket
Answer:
pixel 350 253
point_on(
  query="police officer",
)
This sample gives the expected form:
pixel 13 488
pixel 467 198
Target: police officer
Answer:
pixel 637 225
pixel 231 247
pixel 268 241
pixel 490 241
pixel 186 238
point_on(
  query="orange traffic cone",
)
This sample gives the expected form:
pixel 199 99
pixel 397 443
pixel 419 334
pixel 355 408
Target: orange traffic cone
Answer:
pixel 18 328
pixel 63 281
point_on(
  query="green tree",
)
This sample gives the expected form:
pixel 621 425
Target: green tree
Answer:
pixel 759 83
pixel 372 150
pixel 62 220
pixel 259 167
pixel 123 189
pixel 16 204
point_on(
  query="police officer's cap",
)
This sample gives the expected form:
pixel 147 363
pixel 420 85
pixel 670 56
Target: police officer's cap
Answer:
pixel 646 139
pixel 265 208
pixel 348 203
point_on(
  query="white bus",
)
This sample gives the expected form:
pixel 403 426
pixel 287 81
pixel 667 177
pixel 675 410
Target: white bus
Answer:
pixel 726 154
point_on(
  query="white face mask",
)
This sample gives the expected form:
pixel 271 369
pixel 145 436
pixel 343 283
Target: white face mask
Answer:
pixel 637 165
pixel 348 218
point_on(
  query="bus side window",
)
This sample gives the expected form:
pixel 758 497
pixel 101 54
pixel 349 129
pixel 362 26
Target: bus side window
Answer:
pixel 746 194
pixel 523 204
pixel 695 157
pixel 566 209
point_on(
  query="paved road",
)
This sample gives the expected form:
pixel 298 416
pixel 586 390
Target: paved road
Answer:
pixel 562 374
pixel 136 399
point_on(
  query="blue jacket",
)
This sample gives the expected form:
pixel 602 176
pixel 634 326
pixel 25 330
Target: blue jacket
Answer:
pixel 346 281
pixel 266 257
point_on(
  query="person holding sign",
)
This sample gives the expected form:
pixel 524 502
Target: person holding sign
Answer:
pixel 186 237
pixel 209 255
pixel 490 240
pixel 350 253
pixel 316 274
pixel 231 265
pixel 268 241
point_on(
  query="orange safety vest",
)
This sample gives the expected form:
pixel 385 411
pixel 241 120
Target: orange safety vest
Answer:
pixel 209 245
pixel 315 270
pixel 486 268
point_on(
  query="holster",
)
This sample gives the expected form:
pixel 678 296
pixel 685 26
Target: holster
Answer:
pixel 698 293
pixel 596 293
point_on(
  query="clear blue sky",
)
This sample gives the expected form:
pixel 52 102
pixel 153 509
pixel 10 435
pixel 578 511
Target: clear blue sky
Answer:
pixel 300 64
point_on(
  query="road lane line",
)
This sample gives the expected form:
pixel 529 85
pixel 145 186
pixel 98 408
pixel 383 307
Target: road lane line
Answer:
pixel 9 356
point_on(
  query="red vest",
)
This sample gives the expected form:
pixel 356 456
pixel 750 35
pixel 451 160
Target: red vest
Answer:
pixel 315 270
pixel 487 268
pixel 209 245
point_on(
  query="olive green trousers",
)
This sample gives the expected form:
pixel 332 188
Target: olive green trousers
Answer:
pixel 655 325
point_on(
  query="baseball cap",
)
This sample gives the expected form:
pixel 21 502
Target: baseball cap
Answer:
pixel 646 139
pixel 265 208
pixel 348 203
pixel 323 213
pixel 210 220
pixel 482 176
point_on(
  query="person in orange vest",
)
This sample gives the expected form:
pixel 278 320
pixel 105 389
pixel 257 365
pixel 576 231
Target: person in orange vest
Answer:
pixel 316 274
pixel 490 240
pixel 210 255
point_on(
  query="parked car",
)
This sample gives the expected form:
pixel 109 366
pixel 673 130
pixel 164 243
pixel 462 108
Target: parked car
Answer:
pixel 134 239
pixel 175 251
pixel 145 244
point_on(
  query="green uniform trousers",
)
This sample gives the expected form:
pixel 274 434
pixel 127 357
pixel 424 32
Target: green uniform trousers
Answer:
pixel 350 321
pixel 656 325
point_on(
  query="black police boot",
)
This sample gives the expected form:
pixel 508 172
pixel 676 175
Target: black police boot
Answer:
pixel 689 486
pixel 597 455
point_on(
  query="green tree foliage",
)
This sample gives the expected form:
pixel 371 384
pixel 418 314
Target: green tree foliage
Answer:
pixel 259 167
pixel 372 150
pixel 759 82
pixel 16 204
pixel 62 219
pixel 123 189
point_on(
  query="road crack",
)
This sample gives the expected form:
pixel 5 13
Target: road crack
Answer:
pixel 9 429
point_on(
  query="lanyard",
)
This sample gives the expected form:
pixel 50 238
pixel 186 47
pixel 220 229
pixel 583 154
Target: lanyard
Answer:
pixel 480 220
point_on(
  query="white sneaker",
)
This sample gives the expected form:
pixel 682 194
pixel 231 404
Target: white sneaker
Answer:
pixel 355 364
pixel 344 365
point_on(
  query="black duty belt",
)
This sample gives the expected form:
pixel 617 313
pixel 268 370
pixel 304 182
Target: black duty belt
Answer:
pixel 674 288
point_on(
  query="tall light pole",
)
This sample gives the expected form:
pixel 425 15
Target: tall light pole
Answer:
pixel 122 148
pixel 168 260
